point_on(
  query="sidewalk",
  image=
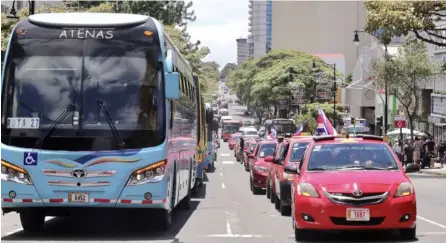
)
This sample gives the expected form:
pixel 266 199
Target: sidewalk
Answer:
pixel 436 171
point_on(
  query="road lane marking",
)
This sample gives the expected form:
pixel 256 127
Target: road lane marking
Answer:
pixel 21 229
pixel 228 162
pixel 432 222
pixel 236 236
pixel 223 185
pixel 225 155
pixel 221 174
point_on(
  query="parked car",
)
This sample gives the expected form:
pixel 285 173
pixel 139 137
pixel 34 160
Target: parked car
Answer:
pixel 258 167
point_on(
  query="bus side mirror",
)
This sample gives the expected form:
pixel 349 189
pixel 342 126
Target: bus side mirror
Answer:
pixel 172 85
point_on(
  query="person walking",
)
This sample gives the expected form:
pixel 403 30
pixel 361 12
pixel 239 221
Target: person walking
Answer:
pixel 408 153
pixel 441 150
pixel 417 150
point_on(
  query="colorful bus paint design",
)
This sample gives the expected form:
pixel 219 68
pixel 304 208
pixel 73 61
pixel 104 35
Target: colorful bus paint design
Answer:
pixel 117 129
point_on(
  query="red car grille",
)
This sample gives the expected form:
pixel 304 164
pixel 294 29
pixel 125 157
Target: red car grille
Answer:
pixel 342 221
pixel 364 199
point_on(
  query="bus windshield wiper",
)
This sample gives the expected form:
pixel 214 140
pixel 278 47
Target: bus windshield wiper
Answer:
pixel 60 119
pixel 110 122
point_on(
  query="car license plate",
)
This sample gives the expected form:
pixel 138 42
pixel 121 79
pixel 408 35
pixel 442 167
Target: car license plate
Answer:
pixel 77 197
pixel 358 214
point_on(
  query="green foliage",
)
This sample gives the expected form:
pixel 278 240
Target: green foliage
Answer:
pixel 227 69
pixel 168 12
pixel 348 78
pixel 407 74
pixel 209 77
pixel 399 18
pixel 261 82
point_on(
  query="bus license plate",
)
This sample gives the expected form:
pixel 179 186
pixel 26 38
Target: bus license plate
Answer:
pixel 77 197
pixel 358 214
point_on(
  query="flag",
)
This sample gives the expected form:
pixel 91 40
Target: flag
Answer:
pixel 273 134
pixel 324 126
pixel 299 130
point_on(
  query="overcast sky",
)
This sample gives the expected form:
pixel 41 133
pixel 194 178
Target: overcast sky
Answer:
pixel 218 24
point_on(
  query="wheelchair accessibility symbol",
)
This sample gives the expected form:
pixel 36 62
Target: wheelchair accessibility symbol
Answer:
pixel 30 158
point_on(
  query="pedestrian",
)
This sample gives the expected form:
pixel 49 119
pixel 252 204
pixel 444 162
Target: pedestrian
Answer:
pixel 441 150
pixel 417 150
pixel 397 149
pixel 408 153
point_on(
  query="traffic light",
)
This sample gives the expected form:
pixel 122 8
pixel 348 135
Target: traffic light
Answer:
pixel 379 121
pixel 353 121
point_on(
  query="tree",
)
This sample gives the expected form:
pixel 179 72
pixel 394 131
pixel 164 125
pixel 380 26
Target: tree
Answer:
pixel 407 74
pixel 168 12
pixel 399 18
pixel 209 77
pixel 260 83
pixel 227 69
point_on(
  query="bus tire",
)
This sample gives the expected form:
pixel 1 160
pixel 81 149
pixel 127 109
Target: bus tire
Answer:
pixel 32 221
pixel 164 218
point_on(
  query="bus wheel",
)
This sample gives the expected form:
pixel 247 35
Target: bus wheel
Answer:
pixel 164 219
pixel 32 220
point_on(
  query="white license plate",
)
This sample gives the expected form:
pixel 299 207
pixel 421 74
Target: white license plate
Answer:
pixel 77 197
pixel 358 214
pixel 23 123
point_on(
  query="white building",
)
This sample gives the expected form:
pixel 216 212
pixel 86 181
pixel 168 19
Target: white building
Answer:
pixel 242 50
pixel 260 20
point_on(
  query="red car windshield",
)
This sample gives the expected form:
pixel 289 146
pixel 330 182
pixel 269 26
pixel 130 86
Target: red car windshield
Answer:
pixel 266 150
pixel 356 156
pixel 298 151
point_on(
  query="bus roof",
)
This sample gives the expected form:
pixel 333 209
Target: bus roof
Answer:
pixel 103 20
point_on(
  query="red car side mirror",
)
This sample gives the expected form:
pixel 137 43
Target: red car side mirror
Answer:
pixel 269 159
pixel 250 156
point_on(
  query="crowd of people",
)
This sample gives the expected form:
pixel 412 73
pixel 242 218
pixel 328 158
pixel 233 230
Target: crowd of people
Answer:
pixel 422 151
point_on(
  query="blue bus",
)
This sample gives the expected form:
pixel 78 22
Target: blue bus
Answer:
pixel 91 106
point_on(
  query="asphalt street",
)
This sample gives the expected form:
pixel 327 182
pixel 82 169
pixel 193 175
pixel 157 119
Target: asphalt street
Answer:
pixel 225 210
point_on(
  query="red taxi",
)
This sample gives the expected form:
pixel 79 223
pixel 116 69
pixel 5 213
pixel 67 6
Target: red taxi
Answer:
pixel 232 140
pixel 230 127
pixel 352 184
pixel 278 182
pixel 258 166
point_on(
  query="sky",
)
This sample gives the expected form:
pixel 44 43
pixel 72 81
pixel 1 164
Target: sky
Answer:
pixel 218 24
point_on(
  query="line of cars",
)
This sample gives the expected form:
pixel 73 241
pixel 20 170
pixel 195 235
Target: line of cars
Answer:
pixel 331 183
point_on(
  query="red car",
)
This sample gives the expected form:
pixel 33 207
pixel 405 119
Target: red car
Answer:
pixel 258 166
pixel 232 140
pixel 230 127
pixel 352 184
pixel 279 183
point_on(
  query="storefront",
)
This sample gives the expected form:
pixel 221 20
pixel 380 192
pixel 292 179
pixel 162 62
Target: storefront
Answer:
pixel 436 119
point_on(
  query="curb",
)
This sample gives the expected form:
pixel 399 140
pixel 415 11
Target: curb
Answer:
pixel 433 173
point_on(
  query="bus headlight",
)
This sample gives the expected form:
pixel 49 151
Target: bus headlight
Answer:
pixel 150 174
pixel 14 173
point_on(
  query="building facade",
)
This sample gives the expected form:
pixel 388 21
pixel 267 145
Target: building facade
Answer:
pixel 260 28
pixel 319 27
pixel 242 50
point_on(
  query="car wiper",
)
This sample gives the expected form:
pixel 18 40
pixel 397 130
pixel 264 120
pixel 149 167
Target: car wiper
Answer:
pixel 360 167
pixel 70 108
pixel 111 124
pixel 317 168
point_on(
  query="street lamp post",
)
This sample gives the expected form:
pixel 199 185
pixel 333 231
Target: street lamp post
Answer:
pixel 334 90
pixel 386 94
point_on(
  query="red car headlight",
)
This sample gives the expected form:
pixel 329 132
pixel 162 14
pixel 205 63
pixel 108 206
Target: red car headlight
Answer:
pixel 404 189
pixel 307 190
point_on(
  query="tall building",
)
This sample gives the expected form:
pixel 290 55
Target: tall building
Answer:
pixel 260 28
pixel 242 50
pixel 319 27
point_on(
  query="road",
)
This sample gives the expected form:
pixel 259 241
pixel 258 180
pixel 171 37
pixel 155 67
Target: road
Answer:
pixel 226 211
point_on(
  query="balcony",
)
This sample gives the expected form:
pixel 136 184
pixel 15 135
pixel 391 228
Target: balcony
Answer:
pixel 250 4
pixel 250 30
pixel 250 12
pixel 250 23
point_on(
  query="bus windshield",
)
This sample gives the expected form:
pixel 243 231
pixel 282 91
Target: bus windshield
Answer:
pixel 231 127
pixel 43 76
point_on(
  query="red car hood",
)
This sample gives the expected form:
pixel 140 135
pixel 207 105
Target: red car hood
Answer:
pixel 261 162
pixel 348 181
